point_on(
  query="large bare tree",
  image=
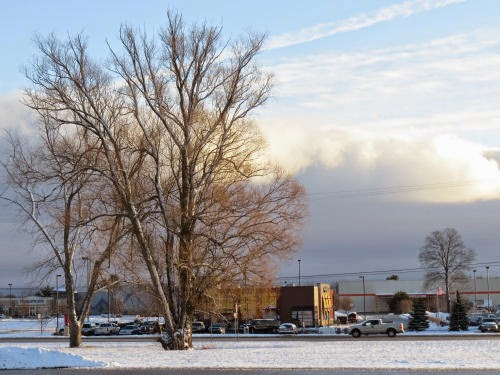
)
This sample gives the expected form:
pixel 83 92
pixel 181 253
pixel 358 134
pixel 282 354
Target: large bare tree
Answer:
pixel 446 259
pixel 175 146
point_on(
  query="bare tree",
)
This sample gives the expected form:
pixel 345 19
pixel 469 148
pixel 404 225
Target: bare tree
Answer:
pixel 176 150
pixel 345 303
pixel 446 259
pixel 56 201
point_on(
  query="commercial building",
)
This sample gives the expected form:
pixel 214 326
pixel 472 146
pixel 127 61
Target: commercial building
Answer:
pixel 307 306
pixel 480 292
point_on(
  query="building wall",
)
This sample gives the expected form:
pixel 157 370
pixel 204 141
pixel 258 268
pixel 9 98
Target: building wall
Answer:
pixel 309 305
pixel 378 292
pixel 29 306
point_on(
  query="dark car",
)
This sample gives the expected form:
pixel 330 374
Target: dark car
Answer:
pixel 150 327
pixel 263 326
pixel 198 327
pixel 217 328
pixel 474 320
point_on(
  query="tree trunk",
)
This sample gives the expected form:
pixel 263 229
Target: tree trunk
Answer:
pixel 75 334
pixel 180 340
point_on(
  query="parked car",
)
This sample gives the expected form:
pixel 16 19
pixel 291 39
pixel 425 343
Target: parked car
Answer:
pixel 263 326
pixel 474 320
pixel 352 317
pixel 198 327
pixel 376 326
pixel 130 329
pixel 288 328
pixel 150 327
pixel 217 328
pixel 2 316
pixel 107 329
pixel 488 325
pixel 88 329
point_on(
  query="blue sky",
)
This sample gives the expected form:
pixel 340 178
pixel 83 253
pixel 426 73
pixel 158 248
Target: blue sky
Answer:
pixel 387 111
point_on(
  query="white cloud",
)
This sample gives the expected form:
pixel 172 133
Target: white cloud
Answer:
pixel 395 11
pixel 420 115
pixel 14 115
pixel 448 82
pixel 433 168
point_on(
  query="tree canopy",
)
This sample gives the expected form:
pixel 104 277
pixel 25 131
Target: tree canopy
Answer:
pixel 163 138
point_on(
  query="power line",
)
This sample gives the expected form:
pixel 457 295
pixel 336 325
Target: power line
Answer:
pixel 388 190
pixel 380 272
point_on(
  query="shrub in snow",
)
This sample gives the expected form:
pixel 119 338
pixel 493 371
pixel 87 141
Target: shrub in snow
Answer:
pixel 458 318
pixel 418 318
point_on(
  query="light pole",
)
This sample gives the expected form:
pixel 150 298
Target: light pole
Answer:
pixel 57 304
pixel 364 295
pixel 488 284
pixel 109 303
pixel 475 290
pixel 87 261
pixel 298 261
pixel 10 299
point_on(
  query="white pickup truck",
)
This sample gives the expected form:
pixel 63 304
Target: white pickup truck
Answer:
pixel 376 326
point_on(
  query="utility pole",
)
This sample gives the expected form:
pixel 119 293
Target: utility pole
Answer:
pixel 298 261
pixel 488 284
pixel 57 303
pixel 10 299
pixel 364 295
pixel 87 261
pixel 475 290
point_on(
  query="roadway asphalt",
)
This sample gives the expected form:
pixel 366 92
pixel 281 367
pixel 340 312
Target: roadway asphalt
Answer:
pixel 236 371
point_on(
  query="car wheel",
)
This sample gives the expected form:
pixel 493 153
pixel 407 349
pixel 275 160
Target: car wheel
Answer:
pixel 356 333
pixel 391 332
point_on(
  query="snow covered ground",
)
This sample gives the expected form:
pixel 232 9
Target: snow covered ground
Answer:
pixel 293 354
pixel 385 354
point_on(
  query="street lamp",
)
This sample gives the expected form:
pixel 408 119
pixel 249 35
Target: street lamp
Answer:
pixel 298 261
pixel 10 299
pixel 109 303
pixel 57 303
pixel 87 260
pixel 475 290
pixel 364 295
pixel 488 285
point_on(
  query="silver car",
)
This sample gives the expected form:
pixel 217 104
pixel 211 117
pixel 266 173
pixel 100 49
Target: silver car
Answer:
pixel 88 329
pixel 489 325
pixel 130 329
pixel 288 328
pixel 107 329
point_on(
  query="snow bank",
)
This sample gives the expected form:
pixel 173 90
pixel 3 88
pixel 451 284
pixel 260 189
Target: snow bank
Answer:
pixel 15 357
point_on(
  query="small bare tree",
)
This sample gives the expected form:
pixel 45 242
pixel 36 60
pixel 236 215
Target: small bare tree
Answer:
pixel 345 303
pixel 446 259
pixel 56 200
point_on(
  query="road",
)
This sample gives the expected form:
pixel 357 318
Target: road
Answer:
pixel 238 371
